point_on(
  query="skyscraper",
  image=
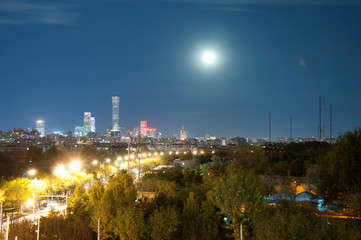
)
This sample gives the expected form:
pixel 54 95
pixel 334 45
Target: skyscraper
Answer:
pixel 87 124
pixel 115 115
pixel 92 124
pixel 183 134
pixel 40 126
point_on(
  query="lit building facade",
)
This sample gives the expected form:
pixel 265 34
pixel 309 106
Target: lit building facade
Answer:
pixel 40 126
pixel 92 124
pixel 148 132
pixel 115 113
pixel 87 123
pixel 183 134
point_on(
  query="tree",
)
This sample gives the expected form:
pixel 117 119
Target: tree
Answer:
pixel 17 191
pixel 119 192
pixel 340 173
pixel 239 196
pixel 129 223
pixel 209 218
pixel 164 223
pixel 190 217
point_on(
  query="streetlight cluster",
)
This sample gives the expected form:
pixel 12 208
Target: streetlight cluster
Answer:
pixel 63 171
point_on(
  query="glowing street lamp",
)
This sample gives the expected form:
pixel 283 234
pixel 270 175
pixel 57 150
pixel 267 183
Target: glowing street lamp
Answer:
pixel 194 152
pixel 74 166
pixel 30 173
pixel 95 162
pixel 108 160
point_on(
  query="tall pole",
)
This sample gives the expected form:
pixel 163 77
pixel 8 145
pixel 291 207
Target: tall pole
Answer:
pixel 241 232
pixel 319 118
pixel 331 137
pixel 1 214
pixel 98 229
pixel 128 155
pixel 139 170
pixel 290 127
pixel 34 206
pixel 38 233
pixel 7 229
pixel 269 126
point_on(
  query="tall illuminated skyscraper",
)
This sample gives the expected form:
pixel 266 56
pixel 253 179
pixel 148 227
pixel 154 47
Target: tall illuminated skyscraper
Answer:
pixel 87 124
pixel 92 124
pixel 115 115
pixel 40 126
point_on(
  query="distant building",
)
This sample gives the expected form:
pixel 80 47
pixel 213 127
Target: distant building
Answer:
pixel 115 113
pixel 92 124
pixel 78 131
pixel 40 126
pixel 115 131
pixel 183 134
pixel 145 131
pixel 67 133
pixel 87 123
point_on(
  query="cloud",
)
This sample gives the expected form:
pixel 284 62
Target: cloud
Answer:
pixel 21 12
pixel 303 62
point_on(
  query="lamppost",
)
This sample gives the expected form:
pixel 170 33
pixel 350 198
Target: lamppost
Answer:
pixel 30 173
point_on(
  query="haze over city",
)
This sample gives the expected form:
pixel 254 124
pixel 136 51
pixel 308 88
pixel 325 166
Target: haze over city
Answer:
pixel 60 59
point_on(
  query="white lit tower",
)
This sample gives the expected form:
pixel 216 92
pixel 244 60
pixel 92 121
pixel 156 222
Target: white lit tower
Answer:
pixel 87 123
pixel 92 124
pixel 40 126
pixel 115 117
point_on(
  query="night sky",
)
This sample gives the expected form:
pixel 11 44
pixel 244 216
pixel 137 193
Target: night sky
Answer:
pixel 60 59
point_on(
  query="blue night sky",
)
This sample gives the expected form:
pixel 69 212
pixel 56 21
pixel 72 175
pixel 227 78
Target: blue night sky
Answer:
pixel 60 59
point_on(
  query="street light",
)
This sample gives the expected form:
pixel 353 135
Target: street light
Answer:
pixel 95 162
pixel 74 166
pixel 30 173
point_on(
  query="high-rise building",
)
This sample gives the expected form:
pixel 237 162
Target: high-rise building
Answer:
pixel 143 128
pixel 78 131
pixel 115 113
pixel 183 134
pixel 92 124
pixel 40 126
pixel 87 124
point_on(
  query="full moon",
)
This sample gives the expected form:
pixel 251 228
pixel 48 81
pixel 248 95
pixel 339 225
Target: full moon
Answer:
pixel 209 57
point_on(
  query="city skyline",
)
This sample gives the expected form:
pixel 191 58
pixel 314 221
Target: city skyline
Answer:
pixel 274 57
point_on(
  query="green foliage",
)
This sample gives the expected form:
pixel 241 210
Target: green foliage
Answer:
pixel 119 193
pixel 129 223
pixel 164 223
pixel 209 218
pixel 190 217
pixel 17 191
pixel 239 196
pixel 340 173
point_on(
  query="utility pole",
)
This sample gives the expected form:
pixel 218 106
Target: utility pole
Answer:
pixel 1 214
pixel 269 126
pixel 291 127
pixel 128 154
pixel 34 206
pixel 38 233
pixel 98 229
pixel 7 229
pixel 139 170
pixel 319 117
pixel 331 137
pixel 241 232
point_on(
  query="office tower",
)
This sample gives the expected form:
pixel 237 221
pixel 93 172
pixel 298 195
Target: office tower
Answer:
pixel 143 128
pixel 40 126
pixel 115 115
pixel 183 134
pixel 78 131
pixel 87 125
pixel 92 124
